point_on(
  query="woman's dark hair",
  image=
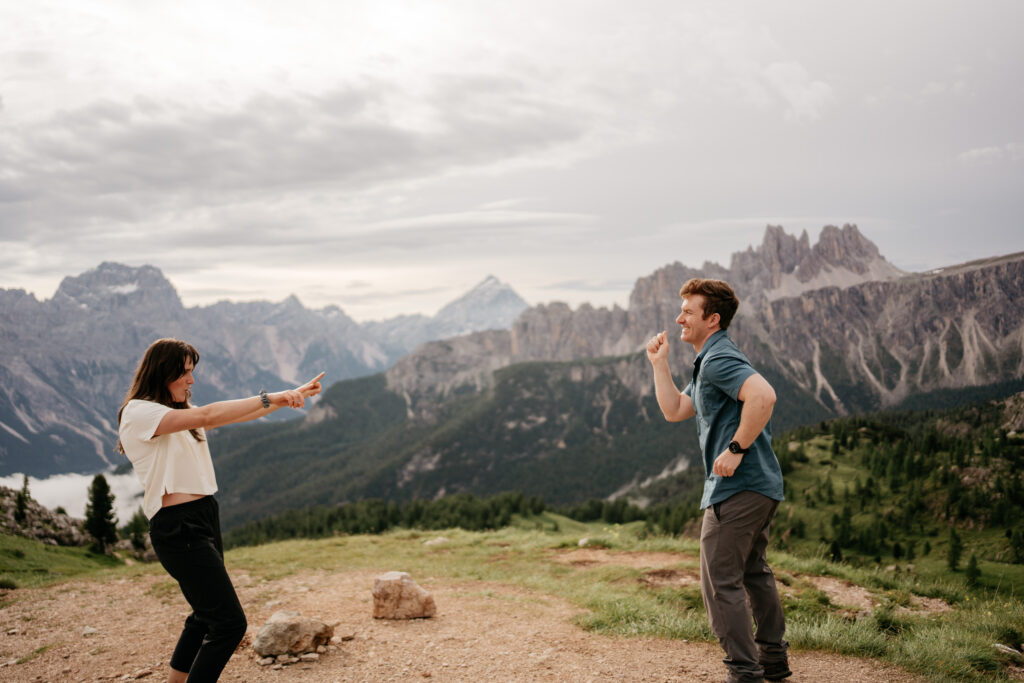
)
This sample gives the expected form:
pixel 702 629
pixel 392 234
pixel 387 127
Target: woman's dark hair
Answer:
pixel 163 362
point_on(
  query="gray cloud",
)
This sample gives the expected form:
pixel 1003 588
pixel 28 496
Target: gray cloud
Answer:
pixel 121 161
pixel 638 137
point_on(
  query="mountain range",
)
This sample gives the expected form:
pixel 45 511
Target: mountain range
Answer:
pixel 68 360
pixel 558 402
pixel 561 404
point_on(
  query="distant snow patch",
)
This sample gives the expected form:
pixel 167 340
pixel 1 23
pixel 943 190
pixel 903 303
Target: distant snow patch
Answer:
pixel 877 270
pixel 124 289
pixel 14 432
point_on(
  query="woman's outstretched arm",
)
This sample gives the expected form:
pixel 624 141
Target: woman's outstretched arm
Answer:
pixel 222 413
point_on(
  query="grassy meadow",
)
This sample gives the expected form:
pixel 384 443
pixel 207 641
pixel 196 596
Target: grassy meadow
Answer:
pixel 861 547
pixel 949 640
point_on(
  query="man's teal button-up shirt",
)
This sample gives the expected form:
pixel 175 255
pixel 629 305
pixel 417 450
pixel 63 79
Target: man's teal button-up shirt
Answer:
pixel 715 395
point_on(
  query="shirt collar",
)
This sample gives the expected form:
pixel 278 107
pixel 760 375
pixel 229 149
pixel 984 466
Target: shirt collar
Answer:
pixel 711 341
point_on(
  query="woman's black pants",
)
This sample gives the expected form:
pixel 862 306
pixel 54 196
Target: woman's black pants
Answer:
pixel 187 540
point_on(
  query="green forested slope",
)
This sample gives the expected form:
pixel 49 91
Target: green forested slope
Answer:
pixel 563 431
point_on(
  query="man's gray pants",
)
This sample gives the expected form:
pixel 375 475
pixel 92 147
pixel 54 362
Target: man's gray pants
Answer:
pixel 734 569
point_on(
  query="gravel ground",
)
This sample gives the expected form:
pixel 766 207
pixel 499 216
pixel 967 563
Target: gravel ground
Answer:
pixel 483 632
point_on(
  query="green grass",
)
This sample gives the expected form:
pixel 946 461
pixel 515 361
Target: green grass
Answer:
pixel 35 653
pixel 956 645
pixel 25 563
pixel 614 598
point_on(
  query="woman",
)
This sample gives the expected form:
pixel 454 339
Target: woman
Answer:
pixel 164 437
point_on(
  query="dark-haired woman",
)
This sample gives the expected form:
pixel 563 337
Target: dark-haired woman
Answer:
pixel 164 437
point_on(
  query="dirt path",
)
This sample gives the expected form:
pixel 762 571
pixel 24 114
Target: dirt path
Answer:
pixel 483 632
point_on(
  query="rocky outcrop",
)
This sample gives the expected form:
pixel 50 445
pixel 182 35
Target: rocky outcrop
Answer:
pixel 867 340
pixel 39 523
pixel 877 343
pixel 397 596
pixel 289 633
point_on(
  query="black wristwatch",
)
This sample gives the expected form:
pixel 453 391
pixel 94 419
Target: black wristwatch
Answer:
pixel 734 447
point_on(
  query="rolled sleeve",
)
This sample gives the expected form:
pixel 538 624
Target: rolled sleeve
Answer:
pixel 141 419
pixel 728 374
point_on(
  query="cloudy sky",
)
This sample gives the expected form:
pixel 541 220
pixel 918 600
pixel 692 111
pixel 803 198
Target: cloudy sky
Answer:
pixel 385 156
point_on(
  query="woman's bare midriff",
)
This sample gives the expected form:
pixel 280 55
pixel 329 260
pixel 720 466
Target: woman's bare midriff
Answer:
pixel 170 499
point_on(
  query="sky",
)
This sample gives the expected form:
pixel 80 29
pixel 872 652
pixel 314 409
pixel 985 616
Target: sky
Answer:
pixel 385 156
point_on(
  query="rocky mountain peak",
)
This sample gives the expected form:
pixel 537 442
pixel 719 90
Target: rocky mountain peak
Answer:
pixel 783 265
pixel 116 286
pixel 845 248
pixel 491 301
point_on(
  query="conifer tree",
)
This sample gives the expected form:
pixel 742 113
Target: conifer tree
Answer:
pixel 956 548
pixel 137 528
pixel 835 552
pixel 100 521
pixel 1017 546
pixel 973 571
pixel 21 501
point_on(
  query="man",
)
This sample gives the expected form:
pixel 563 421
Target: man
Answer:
pixel 742 485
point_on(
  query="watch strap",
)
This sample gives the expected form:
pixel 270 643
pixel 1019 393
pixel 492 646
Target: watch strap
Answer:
pixel 734 447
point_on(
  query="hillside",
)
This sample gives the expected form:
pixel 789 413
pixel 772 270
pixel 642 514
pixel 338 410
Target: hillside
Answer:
pixel 563 431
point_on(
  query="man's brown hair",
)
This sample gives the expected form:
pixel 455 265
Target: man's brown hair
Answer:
pixel 718 298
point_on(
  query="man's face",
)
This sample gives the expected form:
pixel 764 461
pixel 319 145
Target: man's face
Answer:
pixel 181 388
pixel 696 328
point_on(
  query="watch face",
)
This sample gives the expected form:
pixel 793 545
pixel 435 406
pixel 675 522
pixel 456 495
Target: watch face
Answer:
pixel 734 447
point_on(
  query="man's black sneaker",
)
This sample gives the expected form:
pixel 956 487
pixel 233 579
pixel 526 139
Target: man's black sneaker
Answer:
pixel 776 671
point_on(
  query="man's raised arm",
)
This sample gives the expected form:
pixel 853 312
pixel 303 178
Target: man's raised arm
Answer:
pixel 675 405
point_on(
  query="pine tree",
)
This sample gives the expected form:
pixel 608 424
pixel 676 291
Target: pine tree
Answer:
pixel 137 528
pixel 973 572
pixel 100 521
pixel 835 553
pixel 1017 546
pixel 21 499
pixel 956 548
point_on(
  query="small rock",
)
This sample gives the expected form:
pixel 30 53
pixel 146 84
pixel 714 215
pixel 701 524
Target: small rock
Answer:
pixel 287 659
pixel 141 673
pixel 278 667
pixel 397 596
pixel 89 631
pixel 436 541
pixel 309 657
pixel 267 661
pixel 583 542
pixel 13 631
pixel 321 649
pixel 289 632
pixel 1013 654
